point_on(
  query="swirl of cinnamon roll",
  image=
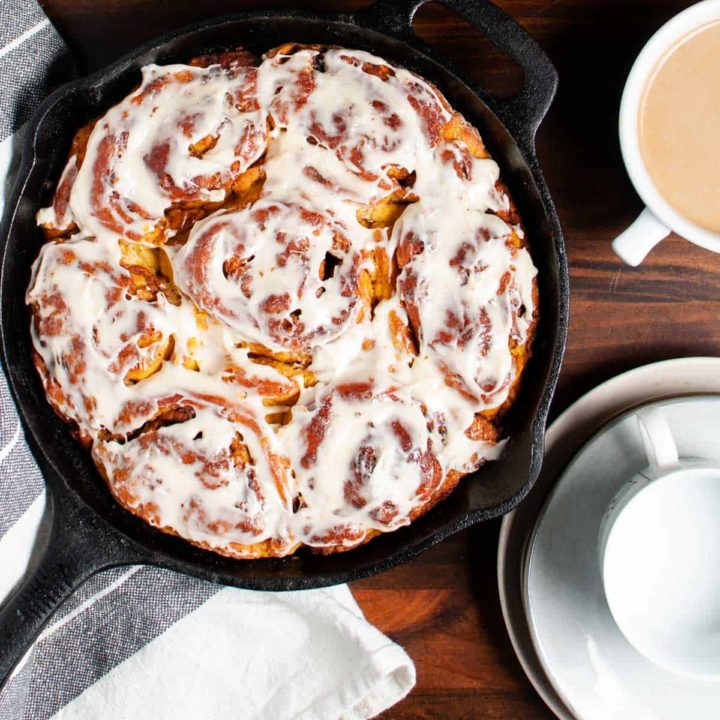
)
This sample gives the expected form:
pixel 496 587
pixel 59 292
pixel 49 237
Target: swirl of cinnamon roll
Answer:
pixel 369 114
pixel 93 334
pixel 368 130
pixel 280 274
pixel 183 137
pixel 104 324
pixel 467 283
pixel 206 470
pixel 359 473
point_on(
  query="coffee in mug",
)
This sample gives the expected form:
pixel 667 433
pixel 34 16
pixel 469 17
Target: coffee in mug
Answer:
pixel 679 126
pixel 669 122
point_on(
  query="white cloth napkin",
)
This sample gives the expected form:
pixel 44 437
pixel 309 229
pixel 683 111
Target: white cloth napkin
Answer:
pixel 145 643
pixel 244 654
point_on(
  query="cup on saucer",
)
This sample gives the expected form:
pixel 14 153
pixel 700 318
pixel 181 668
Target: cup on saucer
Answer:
pixel 573 631
pixel 660 556
pixel 652 655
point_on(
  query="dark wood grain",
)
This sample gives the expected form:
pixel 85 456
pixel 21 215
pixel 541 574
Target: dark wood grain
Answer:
pixel 443 606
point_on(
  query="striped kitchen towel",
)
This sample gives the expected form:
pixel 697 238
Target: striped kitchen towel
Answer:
pixel 141 642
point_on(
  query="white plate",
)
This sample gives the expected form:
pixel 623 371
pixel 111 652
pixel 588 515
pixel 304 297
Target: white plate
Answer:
pixel 567 434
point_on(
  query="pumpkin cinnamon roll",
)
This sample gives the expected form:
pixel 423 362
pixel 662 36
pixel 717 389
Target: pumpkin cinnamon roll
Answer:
pixel 359 472
pixel 93 335
pixel 208 471
pixel 284 276
pixel 468 284
pixel 177 143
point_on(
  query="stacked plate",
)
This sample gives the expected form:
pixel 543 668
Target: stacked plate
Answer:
pixel 553 584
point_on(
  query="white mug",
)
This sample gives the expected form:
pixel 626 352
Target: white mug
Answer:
pixel 659 218
pixel 660 556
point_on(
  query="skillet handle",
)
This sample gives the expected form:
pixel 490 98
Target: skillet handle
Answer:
pixel 523 112
pixel 77 546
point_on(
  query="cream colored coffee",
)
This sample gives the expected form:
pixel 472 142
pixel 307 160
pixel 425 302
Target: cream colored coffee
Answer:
pixel 679 126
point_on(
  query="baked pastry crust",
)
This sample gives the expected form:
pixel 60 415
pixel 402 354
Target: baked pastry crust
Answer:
pixel 285 303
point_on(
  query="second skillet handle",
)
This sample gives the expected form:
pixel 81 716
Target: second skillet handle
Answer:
pixel 521 113
pixel 77 546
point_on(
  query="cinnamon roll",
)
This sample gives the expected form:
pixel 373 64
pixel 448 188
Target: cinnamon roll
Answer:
pixel 179 141
pixel 206 470
pixel 284 275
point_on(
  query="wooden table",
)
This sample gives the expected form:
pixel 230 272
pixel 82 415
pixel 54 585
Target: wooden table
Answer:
pixel 443 607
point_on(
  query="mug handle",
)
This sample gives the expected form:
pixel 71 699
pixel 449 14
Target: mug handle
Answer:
pixel 640 238
pixel 658 440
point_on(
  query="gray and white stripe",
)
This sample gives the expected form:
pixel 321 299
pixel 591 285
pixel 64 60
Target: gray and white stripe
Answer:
pixel 122 611
pixel 33 58
pixel 142 642
pixel 116 612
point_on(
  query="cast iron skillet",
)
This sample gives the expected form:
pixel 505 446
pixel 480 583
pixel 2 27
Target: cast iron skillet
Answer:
pixel 88 531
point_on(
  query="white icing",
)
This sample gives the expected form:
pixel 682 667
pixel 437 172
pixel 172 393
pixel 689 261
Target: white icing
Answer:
pixel 370 443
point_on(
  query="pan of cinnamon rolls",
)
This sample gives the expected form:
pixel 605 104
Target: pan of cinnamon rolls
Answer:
pixel 284 298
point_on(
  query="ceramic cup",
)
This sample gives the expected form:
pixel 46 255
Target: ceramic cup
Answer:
pixel 660 556
pixel 659 218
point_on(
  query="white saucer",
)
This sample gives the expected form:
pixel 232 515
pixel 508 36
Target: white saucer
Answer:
pixel 587 658
pixel 685 376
